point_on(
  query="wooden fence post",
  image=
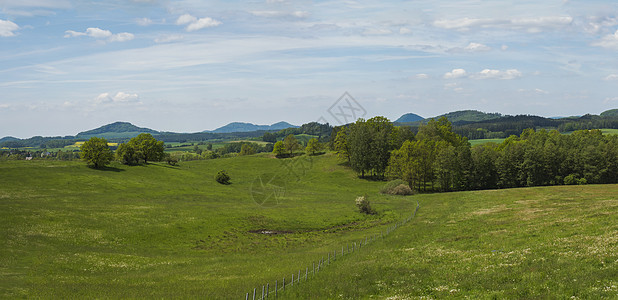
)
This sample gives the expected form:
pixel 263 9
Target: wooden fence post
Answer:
pixel 253 293
pixel 276 287
pixel 267 289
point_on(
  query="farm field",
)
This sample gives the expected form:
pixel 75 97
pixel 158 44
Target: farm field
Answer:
pixel 158 231
pixel 484 141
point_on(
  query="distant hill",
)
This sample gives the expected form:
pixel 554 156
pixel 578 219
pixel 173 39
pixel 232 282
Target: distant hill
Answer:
pixel 408 118
pixel 116 130
pixel 610 113
pixel 248 127
pixel 464 116
pixel 8 138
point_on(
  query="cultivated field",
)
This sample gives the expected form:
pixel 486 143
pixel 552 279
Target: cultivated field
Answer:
pixel 158 231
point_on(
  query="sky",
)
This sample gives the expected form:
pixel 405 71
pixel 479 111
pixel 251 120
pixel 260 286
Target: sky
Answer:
pixel 68 66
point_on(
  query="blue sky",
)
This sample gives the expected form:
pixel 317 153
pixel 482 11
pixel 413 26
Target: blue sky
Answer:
pixel 68 66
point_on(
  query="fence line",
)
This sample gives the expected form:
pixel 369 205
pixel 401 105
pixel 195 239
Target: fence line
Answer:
pixel 266 293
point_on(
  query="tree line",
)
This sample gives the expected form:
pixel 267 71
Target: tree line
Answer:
pixel 436 158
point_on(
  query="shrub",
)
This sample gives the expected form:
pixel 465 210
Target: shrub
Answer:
pixel 571 179
pixel 222 177
pixel 172 161
pixel 363 205
pixel 396 187
pixel 402 189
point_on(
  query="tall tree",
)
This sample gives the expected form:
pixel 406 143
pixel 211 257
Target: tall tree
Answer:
pixel 95 152
pixel 147 147
pixel 341 145
pixel 314 146
pixel 278 149
pixel 291 144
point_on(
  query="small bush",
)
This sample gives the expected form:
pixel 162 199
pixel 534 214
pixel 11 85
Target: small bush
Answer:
pixel 396 187
pixel 172 161
pixel 571 179
pixel 363 205
pixel 402 189
pixel 222 177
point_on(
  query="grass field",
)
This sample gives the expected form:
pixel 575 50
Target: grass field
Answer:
pixel 484 141
pixel 159 232
pixel 530 243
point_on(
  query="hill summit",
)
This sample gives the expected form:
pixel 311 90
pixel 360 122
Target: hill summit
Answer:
pixel 117 127
pixel 409 117
pixel 247 127
pixel 469 116
pixel 610 113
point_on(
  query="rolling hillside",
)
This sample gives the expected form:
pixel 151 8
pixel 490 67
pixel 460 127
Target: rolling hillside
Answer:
pixel 408 118
pixel 248 127
pixel 116 130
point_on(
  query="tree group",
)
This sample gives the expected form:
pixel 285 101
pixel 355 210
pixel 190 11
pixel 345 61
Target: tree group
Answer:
pixel 436 158
pixel 142 148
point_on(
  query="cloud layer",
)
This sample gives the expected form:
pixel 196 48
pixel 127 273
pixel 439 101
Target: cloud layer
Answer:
pixel 101 34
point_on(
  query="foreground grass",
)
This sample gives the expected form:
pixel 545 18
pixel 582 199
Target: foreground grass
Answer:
pixel 157 231
pixel 530 243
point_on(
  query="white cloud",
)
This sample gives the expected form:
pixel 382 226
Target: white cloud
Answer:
pixel 464 23
pixel 404 30
pixel 275 1
pixel 530 24
pixel 185 19
pixel 609 41
pixel 168 38
pixel 202 23
pixel 120 97
pixel 143 21
pixel 99 33
pixel 121 37
pixel 456 73
pixel 498 74
pixel 476 47
pixel 377 31
pixel 612 99
pixel 279 14
pixel 7 28
pixel 540 91
pixel 421 76
pixel 611 77
pixel 472 47
pixel 453 86
pixel 196 24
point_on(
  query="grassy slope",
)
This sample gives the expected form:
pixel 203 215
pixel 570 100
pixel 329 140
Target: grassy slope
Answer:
pixel 158 231
pixel 529 243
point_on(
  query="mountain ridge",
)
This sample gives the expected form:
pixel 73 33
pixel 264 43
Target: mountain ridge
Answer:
pixel 248 127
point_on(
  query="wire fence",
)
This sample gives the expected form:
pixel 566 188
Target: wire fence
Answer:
pixel 295 278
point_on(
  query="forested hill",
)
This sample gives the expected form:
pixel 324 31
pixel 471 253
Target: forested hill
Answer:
pixel 467 116
pixel 409 117
pixel 610 113
pixel 248 127
pixel 117 127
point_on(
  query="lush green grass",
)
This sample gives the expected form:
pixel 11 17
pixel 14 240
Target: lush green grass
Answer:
pixel 530 243
pixel 609 131
pixel 484 141
pixel 159 231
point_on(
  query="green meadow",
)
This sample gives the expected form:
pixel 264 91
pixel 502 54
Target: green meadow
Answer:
pixel 160 231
